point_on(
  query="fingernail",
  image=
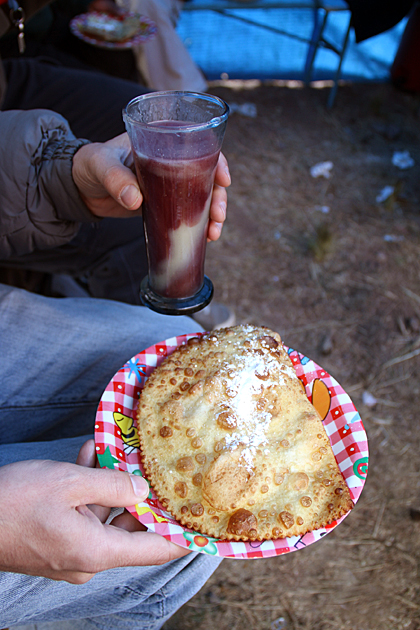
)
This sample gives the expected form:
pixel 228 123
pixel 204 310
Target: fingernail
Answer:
pixel 129 196
pixel 140 486
pixel 222 207
pixel 228 173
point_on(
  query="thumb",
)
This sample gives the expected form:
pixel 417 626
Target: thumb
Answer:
pixel 109 488
pixel 118 180
pixel 100 170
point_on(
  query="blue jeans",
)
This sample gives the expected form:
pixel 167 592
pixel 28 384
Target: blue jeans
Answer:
pixel 57 356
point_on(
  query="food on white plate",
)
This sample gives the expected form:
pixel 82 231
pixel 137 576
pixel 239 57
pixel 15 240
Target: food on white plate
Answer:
pixel 111 28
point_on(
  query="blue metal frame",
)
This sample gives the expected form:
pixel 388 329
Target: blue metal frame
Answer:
pixel 318 39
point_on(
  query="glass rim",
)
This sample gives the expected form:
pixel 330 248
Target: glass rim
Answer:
pixel 213 122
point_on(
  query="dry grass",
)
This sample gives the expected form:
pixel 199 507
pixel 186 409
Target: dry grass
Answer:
pixel 338 290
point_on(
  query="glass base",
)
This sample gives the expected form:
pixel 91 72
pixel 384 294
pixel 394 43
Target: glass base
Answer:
pixel 176 306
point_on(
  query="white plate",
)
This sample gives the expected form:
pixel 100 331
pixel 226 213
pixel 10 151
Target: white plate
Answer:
pixel 147 30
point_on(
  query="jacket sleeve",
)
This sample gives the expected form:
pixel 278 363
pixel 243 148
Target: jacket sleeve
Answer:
pixel 40 207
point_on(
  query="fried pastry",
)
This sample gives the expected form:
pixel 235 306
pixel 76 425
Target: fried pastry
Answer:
pixel 231 444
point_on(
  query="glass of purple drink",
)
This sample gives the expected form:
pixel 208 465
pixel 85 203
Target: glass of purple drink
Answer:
pixel 176 138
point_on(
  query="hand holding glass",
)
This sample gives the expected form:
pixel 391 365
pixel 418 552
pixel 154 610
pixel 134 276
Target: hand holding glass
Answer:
pixel 176 139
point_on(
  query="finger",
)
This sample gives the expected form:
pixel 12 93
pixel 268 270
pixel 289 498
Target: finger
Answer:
pixel 110 488
pixel 100 170
pixel 109 546
pixel 217 213
pixel 136 549
pixel 120 182
pixel 87 458
pixel 128 522
pixel 214 231
pixel 222 175
pixel 87 455
pixel 218 204
pixel 73 577
pixel 100 512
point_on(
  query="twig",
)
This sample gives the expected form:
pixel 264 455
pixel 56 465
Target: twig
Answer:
pixel 354 388
pixel 387 403
pixel 374 567
pixel 394 361
pixel 405 554
pixel 343 602
pixel 393 381
pixel 411 294
pixel 386 438
pixel 379 520
pixel 241 605
pixel 327 323
pixel 404 449
pixel 355 541
pixel 407 602
pixel 381 421
pixel 400 359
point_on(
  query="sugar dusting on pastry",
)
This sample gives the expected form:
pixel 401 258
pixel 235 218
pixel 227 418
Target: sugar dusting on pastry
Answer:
pixel 231 444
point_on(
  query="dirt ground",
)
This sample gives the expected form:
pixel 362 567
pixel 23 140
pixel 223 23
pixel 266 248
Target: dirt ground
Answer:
pixel 336 273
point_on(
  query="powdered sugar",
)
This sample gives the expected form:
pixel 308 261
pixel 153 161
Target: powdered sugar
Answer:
pixel 245 388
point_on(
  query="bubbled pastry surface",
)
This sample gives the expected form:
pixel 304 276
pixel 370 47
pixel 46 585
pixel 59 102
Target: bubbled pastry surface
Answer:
pixel 231 444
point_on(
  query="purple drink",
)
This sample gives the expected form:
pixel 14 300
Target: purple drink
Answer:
pixel 176 139
pixel 177 196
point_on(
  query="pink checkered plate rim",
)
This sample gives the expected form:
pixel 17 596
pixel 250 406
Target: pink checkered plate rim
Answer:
pixel 117 447
pixel 147 30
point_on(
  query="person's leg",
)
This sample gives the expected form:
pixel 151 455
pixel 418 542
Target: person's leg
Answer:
pixel 59 354
pixel 91 101
pixel 130 598
pixel 57 357
pixel 108 259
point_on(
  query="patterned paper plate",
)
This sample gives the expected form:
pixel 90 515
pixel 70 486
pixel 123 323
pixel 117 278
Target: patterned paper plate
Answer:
pixel 117 446
pixel 147 30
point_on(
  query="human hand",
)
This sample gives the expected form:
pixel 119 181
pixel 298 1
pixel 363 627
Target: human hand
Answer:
pixel 125 520
pixel 219 199
pixel 104 175
pixel 47 528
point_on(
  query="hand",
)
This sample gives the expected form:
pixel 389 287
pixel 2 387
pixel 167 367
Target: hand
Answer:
pixel 104 175
pixel 125 520
pixel 47 528
pixel 219 199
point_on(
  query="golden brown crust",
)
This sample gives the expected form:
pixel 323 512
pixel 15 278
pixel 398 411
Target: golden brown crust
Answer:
pixel 231 444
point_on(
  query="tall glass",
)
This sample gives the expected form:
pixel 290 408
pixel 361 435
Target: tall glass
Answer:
pixel 176 139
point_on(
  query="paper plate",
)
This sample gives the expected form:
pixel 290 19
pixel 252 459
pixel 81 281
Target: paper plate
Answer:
pixel 117 447
pixel 147 30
